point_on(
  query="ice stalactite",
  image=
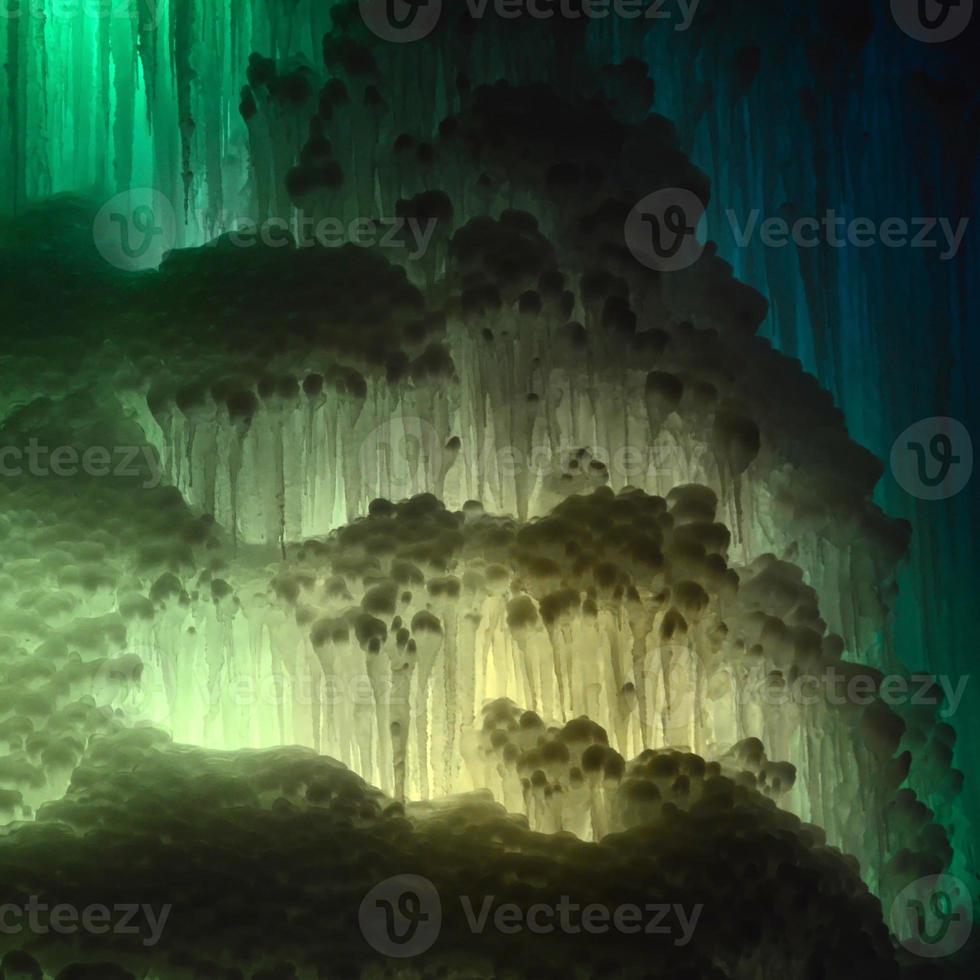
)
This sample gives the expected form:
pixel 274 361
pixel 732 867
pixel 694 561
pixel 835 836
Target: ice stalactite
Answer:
pixel 569 778
pixel 429 424
pixel 164 77
pixel 361 548
pixel 14 128
pixel 182 25
pixel 727 117
pixel 798 148
pixel 382 644
pixel 566 182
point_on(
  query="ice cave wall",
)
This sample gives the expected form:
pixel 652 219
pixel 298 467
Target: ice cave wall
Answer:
pixel 181 139
pixel 616 621
pixel 843 110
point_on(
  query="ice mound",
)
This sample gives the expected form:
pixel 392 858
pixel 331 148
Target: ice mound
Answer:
pixel 256 864
pixel 570 779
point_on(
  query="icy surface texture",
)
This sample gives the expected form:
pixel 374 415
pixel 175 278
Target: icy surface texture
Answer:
pixel 793 109
pixel 706 400
pixel 285 390
pixel 264 858
pixel 284 422
pixel 381 644
pixel 538 335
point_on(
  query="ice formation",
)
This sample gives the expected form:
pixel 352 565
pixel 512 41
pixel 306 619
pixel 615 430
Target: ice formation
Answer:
pixel 531 540
pixel 265 857
pixel 380 645
pixel 792 108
